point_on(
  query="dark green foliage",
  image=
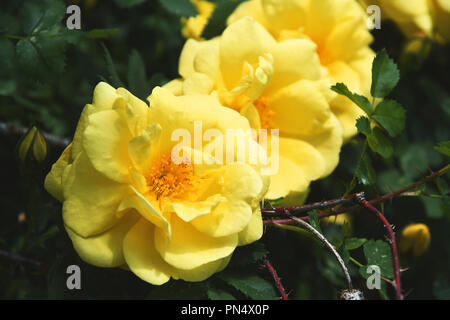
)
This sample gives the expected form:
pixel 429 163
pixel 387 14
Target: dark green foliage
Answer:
pixel 47 75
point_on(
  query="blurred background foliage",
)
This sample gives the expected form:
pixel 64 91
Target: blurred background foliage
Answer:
pixel 47 75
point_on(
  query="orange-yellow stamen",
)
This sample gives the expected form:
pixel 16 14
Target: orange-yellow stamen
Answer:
pixel 265 112
pixel 169 180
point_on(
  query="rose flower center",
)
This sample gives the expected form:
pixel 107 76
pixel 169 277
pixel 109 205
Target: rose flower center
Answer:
pixel 264 111
pixel 169 180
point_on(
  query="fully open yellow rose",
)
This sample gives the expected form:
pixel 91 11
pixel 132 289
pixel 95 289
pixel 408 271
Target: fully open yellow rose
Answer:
pixel 339 30
pixel 193 26
pixel 276 85
pixel 127 203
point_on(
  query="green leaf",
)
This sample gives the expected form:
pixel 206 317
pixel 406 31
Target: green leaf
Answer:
pixel 72 36
pixel 42 15
pixel 128 3
pixel 137 78
pixel 443 147
pixel 54 13
pixel 383 286
pixel 26 54
pixel 246 255
pixel 251 285
pixel 52 52
pixel 181 8
pixel 113 75
pixel 218 294
pixel 32 14
pixel 391 116
pixel 218 21
pixel 365 172
pixel 385 75
pixel 363 125
pixel 379 253
pixel 380 144
pixel 313 220
pixel 360 101
pixel 354 243
pixel 101 33
pixel 6 56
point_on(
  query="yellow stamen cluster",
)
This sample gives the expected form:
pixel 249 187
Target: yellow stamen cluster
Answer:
pixel 167 179
pixel 265 112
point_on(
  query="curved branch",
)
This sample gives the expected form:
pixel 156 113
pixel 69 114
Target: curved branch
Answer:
pixel 327 244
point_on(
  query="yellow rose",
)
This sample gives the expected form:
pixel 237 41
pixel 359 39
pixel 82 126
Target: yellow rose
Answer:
pixel 339 30
pixel 412 16
pixel 276 85
pixel 193 26
pixel 440 10
pixel 414 238
pixel 127 203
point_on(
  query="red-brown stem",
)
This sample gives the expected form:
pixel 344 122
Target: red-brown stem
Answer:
pixel 277 280
pixel 333 212
pixel 393 244
pixel 311 206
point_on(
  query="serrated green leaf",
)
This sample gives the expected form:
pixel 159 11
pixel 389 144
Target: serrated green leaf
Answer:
pixel 137 78
pixel 251 285
pixel 365 172
pixel 385 75
pixel 360 101
pixel 380 144
pixel 101 33
pixel 379 253
pixel 354 243
pixel 363 125
pixel 218 294
pixel 391 116
pixel 444 148
pixel 181 8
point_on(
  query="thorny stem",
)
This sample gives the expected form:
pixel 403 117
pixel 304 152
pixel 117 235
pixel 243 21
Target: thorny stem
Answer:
pixel 277 279
pixel 391 235
pixel 312 206
pixel 327 244
pixel 20 259
pixel 345 200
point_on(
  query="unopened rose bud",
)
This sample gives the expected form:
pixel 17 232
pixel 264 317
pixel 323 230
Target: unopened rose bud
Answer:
pixel 32 148
pixel 414 238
